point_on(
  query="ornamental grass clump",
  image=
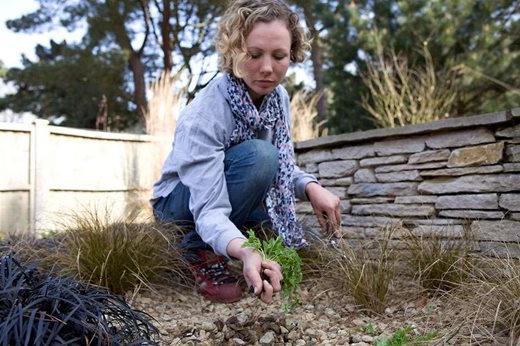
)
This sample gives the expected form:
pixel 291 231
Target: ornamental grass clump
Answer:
pixel 363 270
pixel 287 258
pixel 439 264
pixel 119 254
pixel 37 309
pixel 366 273
pixel 492 299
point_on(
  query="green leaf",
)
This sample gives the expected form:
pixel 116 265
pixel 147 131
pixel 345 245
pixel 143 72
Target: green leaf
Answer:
pixel 274 250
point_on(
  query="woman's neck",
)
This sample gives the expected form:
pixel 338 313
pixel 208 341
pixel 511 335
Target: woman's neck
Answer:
pixel 258 102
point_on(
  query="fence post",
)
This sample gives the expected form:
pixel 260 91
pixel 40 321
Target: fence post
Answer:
pixel 39 172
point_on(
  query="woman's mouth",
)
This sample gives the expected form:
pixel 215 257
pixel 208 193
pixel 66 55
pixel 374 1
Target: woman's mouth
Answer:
pixel 265 83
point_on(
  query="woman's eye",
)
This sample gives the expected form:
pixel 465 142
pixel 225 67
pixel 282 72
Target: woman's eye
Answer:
pixel 254 56
pixel 279 57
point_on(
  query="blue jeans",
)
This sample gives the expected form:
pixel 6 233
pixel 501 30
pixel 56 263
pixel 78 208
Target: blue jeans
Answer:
pixel 250 161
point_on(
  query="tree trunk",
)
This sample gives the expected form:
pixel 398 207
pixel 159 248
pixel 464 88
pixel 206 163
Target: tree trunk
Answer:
pixel 165 36
pixel 137 67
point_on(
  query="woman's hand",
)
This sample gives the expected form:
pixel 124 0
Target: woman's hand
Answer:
pixel 254 267
pixel 326 207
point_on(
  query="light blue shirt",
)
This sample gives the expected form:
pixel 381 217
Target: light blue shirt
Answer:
pixel 197 159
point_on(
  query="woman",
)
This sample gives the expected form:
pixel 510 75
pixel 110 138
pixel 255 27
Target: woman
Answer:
pixel 232 163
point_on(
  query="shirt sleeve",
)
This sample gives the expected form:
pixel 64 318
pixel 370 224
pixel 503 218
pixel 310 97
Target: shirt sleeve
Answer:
pixel 199 150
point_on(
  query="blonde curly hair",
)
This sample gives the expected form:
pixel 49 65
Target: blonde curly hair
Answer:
pixel 238 21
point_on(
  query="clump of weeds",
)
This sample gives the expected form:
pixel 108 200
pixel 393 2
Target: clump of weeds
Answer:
pixel 439 264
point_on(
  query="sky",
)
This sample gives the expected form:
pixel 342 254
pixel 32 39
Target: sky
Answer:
pixel 15 44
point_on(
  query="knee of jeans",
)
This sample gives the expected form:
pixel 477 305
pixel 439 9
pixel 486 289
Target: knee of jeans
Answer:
pixel 267 160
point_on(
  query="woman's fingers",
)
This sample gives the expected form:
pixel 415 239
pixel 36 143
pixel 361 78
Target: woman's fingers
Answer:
pixel 254 280
pixel 267 293
pixel 338 222
pixel 274 278
pixel 321 220
pixel 274 271
pixel 272 265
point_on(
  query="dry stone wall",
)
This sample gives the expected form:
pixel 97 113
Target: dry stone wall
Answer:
pixel 439 178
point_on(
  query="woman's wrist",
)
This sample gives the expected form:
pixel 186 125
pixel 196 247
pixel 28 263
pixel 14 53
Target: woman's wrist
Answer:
pixel 310 187
pixel 235 249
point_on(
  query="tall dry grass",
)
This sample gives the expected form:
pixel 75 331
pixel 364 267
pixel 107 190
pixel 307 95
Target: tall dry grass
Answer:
pixel 400 94
pixel 120 253
pixel 491 301
pixel 166 96
pixel 303 113
pixel 438 263
pixel 364 271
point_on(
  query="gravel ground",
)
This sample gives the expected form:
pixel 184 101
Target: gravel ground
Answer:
pixel 325 317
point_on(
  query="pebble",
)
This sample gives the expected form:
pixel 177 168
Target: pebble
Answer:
pixel 208 326
pixel 326 320
pixel 367 338
pixel 145 300
pixel 330 313
pixel 355 338
pixel 293 335
pixel 358 322
pixel 390 310
pixel 238 341
pixel 342 332
pixel 310 332
pixel 267 338
pixel 242 317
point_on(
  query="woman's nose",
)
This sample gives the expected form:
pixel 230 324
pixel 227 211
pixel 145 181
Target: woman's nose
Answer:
pixel 267 66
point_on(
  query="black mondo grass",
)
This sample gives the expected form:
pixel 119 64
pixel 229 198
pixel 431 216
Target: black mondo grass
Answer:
pixel 38 309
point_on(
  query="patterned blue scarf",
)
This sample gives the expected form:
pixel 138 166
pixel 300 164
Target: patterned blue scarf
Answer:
pixel 280 197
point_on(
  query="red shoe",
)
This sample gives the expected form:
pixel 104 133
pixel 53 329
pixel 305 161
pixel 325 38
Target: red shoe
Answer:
pixel 213 278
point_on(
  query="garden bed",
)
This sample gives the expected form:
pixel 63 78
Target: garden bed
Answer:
pixel 325 317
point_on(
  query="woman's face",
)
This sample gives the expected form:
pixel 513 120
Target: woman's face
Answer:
pixel 269 47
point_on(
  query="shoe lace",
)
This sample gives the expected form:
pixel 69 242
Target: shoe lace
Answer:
pixel 217 272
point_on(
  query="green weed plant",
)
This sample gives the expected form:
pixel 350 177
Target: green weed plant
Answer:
pixel 403 336
pixel 287 258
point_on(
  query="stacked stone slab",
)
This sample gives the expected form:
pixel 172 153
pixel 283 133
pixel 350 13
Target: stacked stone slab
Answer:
pixel 442 178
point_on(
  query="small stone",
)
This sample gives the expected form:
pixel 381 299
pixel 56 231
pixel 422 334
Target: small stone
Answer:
pixel 238 341
pixel 367 338
pixel 358 322
pixel 429 156
pixel 389 310
pixel 284 330
pixel 242 318
pixel 145 300
pixel 268 338
pixel 300 342
pixel 342 332
pixel 355 338
pixel 293 335
pixel 311 332
pixel 208 326
pixel 330 312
